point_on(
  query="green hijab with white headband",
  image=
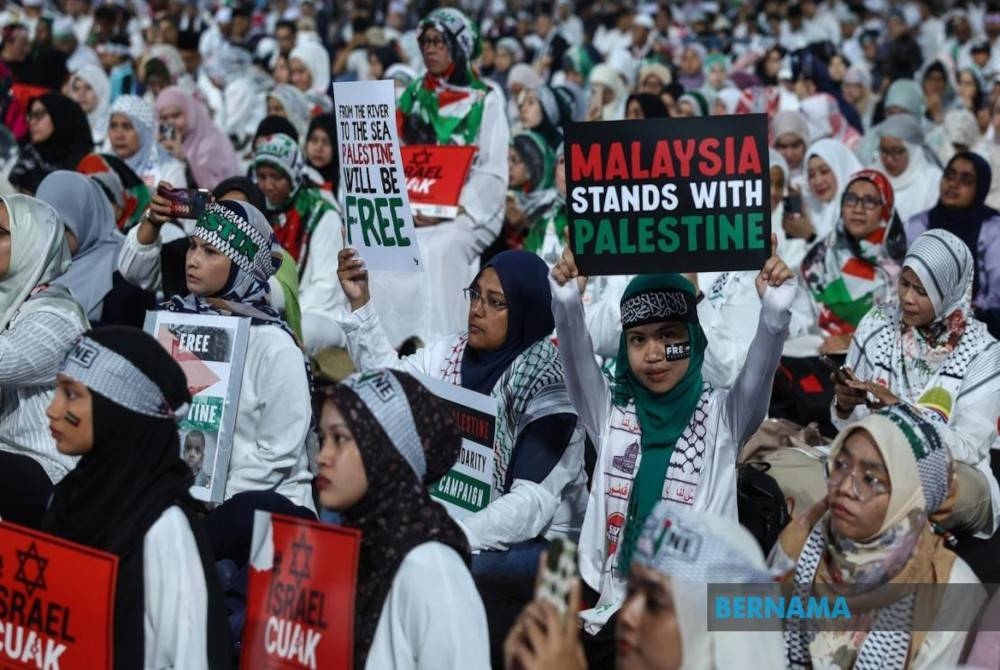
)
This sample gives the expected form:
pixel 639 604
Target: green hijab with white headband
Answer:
pixel 662 416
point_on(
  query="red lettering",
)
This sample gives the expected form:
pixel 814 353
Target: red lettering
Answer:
pixel 589 166
pixel 749 157
pixel 615 168
pixel 638 172
pixel 663 163
pixel 730 155
pixel 711 164
pixel 684 150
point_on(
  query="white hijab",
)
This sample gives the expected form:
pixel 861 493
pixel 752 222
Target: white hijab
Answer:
pixel 39 253
pixel 98 118
pixel 711 550
pixel 843 163
pixel 317 61
pixel 916 188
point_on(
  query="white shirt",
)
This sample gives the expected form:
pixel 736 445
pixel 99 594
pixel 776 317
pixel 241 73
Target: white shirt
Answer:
pixel 432 617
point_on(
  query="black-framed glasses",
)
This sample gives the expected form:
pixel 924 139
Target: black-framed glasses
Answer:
pixel 434 42
pixel 867 202
pixel 864 486
pixel 474 295
pixel 963 178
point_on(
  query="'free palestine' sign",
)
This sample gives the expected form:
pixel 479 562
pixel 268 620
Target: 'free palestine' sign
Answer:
pixel 669 195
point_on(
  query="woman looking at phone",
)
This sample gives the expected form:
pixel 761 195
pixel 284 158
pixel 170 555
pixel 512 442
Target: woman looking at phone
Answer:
pixel 926 350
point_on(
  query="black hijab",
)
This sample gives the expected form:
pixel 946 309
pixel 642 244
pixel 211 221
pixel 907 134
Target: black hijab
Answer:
pixel 967 223
pixel 396 514
pixel 652 105
pixel 71 138
pixel 122 486
pixel 272 125
pixel 328 124
pixel 525 280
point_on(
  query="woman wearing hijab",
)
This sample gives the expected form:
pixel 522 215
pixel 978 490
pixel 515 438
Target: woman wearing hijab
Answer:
pixel 662 432
pixel 645 106
pixel 197 140
pixel 904 96
pixel 857 90
pixel 909 164
pixel 289 102
pixel 309 68
pixel 94 243
pixel 90 88
pixel 132 137
pixel 829 165
pixel 385 440
pixel 229 276
pixel 522 77
pixel 663 622
pixel 532 190
pixel 790 133
pixel 448 105
pixel 693 103
pixel 887 474
pixel 116 407
pixel 272 125
pixel 928 352
pixel 961 210
pixel 854 266
pixel 60 137
pixel 606 94
pixel 38 322
pixel 539 484
pixel 545 111
pixel 322 153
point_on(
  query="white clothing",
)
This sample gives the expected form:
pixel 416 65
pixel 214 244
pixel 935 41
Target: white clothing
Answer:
pixel 843 164
pixel 433 617
pixel 430 304
pixel 175 623
pixel 321 299
pixel 702 472
pixel 272 419
pixel 552 507
pixel 916 189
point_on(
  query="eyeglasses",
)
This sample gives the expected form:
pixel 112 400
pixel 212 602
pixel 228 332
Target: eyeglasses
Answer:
pixel 869 203
pixel 474 296
pixel 433 42
pixel 797 144
pixel 863 487
pixel 963 178
pixel 894 153
pixel 37 114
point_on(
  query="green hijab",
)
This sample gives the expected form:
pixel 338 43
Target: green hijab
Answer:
pixel 662 416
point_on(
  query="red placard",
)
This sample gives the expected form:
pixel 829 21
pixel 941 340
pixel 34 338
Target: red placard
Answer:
pixel 57 602
pixel 300 602
pixel 435 174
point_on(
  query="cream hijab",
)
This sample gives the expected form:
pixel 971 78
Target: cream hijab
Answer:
pixel 716 551
pixel 38 250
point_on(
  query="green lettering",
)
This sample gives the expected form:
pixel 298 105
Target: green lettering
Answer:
pixel 367 211
pixel 692 223
pixel 583 233
pixel 350 206
pixel 605 238
pixel 731 232
pixel 625 246
pixel 669 241
pixel 755 231
pixel 645 235
pixel 383 223
pixel 398 222
pixel 709 232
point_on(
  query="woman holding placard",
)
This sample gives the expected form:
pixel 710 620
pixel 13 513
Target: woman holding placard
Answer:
pixel 662 432
pixel 117 402
pixel 386 439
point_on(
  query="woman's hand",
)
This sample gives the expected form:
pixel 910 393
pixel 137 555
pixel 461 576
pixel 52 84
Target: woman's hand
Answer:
pixel 421 220
pixel 883 396
pixel 157 214
pixel 542 638
pixel 353 278
pixel 173 145
pixel 514 217
pixel 846 396
pixel 835 344
pixel 566 269
pixel 775 272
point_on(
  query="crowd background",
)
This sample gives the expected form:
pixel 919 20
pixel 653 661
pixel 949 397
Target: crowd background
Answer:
pixel 841 404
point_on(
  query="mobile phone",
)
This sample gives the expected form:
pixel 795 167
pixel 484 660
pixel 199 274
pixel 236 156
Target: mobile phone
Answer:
pixel 558 572
pixel 167 131
pixel 793 203
pixel 186 203
pixel 839 371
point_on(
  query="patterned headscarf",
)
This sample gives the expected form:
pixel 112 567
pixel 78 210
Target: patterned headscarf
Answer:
pixel 464 43
pixel 397 423
pixel 283 154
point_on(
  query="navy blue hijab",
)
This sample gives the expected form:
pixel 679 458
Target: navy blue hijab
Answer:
pixel 525 280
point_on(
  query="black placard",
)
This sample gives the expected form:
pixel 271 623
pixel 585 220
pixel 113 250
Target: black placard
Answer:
pixel 669 195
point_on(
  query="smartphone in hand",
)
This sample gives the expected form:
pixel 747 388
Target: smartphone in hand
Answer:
pixel 840 373
pixel 793 203
pixel 185 203
pixel 557 574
